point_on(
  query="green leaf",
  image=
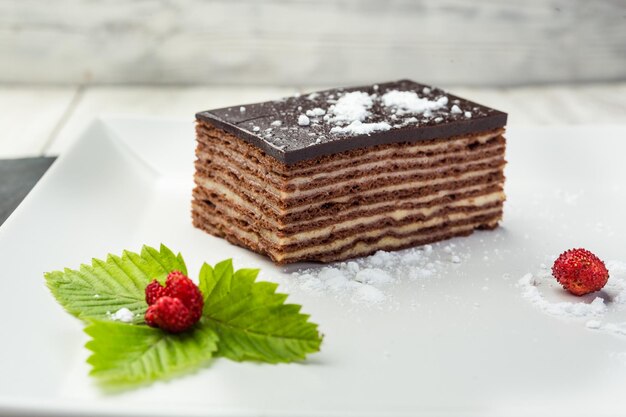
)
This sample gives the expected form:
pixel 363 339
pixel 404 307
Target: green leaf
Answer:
pixel 252 320
pixel 95 291
pixel 163 261
pixel 125 354
pixel 209 277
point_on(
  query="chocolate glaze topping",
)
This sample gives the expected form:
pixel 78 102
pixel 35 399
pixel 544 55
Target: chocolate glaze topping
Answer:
pixel 280 129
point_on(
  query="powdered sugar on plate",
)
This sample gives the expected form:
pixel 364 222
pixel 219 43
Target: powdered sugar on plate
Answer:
pixel 369 280
pixel 531 284
pixel 541 289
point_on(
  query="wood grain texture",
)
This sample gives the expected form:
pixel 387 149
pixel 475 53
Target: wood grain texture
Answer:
pixel 30 117
pixel 306 42
pixel 63 113
pixel 161 102
pixel 528 106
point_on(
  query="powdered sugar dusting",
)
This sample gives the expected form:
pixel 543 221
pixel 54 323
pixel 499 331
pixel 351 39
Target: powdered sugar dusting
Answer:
pixel 456 109
pixel 349 114
pixel 369 280
pixel 540 289
pixel 123 314
pixel 530 290
pixel 334 115
pixel 303 120
pixel 316 112
pixel 359 128
pixel 408 102
pixel 350 107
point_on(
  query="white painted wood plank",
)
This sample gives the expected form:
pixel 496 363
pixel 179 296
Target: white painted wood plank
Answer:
pixel 29 116
pixel 550 104
pixel 307 42
pixel 529 106
pixel 167 102
pixel 556 105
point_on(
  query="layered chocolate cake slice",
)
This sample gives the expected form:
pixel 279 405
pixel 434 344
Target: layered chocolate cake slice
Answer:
pixel 343 173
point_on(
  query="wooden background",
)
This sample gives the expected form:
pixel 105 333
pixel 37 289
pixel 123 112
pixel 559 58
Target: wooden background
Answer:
pixel 311 42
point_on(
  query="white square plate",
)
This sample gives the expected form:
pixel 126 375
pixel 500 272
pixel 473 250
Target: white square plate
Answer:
pixel 464 342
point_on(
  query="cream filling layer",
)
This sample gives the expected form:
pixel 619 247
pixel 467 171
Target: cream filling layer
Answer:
pixel 230 160
pixel 407 228
pixel 472 203
pixel 217 187
pixel 418 147
pixel 391 242
pixel 338 244
pixel 235 200
pixel 281 195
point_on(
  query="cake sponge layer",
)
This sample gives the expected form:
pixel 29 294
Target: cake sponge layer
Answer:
pixel 352 203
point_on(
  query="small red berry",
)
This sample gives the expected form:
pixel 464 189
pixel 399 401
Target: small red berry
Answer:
pixel 169 314
pixel 179 286
pixel 176 306
pixel 154 291
pixel 580 271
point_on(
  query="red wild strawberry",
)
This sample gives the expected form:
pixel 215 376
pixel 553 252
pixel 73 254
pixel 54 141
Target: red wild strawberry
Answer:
pixel 169 314
pixel 580 271
pixel 154 291
pixel 179 286
pixel 176 306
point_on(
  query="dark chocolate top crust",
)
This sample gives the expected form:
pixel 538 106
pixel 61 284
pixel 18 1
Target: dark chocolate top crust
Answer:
pixel 305 127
